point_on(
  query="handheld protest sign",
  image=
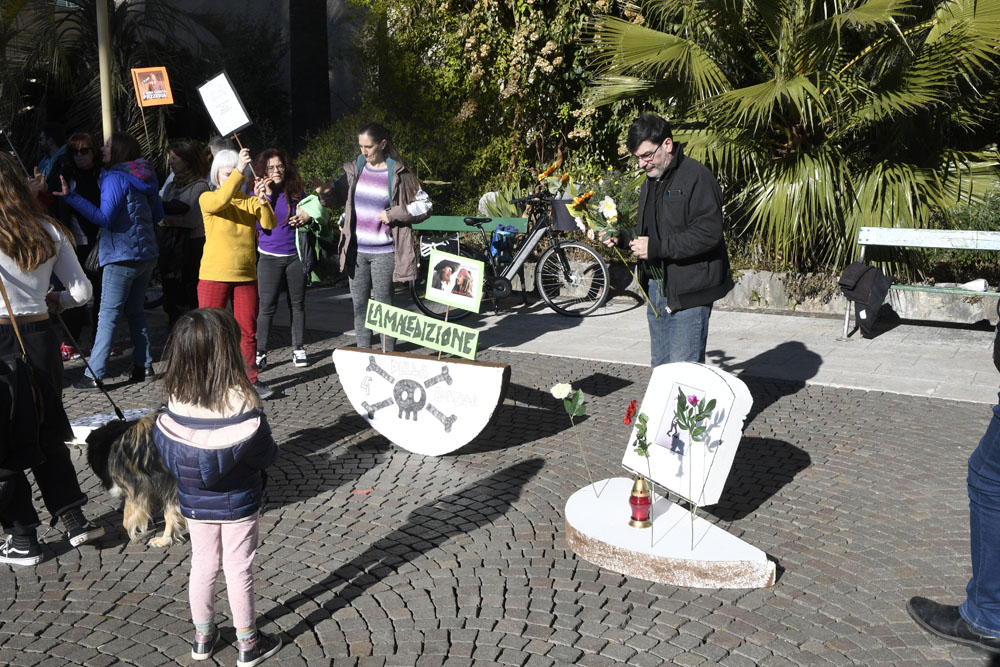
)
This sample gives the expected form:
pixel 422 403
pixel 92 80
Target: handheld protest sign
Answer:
pixel 454 280
pixel 419 403
pixel 152 86
pixel 224 105
pixel 422 330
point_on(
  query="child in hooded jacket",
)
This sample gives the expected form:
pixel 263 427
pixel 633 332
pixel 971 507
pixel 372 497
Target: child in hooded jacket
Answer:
pixel 215 440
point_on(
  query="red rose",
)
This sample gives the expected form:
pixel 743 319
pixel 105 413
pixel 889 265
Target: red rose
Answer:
pixel 629 414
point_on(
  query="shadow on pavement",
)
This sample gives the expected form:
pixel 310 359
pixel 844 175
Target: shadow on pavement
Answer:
pixel 516 425
pixel 791 364
pixel 426 528
pixel 791 361
pixel 762 467
pixel 300 474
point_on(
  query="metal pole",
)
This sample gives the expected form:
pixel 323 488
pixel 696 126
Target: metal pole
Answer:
pixel 104 61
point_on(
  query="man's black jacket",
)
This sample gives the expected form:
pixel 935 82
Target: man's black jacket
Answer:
pixel 681 213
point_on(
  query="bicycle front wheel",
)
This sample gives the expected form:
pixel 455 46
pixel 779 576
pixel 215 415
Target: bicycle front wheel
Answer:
pixel 572 279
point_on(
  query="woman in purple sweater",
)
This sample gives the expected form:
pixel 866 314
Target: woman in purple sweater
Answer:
pixel 279 263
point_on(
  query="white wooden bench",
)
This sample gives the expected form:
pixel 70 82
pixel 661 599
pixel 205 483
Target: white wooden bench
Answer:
pixel 925 238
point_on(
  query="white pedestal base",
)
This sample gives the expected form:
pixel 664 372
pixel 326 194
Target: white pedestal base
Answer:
pixel 597 530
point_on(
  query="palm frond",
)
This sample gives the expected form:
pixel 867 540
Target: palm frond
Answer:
pixel 769 102
pixel 791 206
pixel 623 48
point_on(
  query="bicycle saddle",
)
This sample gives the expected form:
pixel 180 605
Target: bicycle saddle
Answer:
pixel 477 222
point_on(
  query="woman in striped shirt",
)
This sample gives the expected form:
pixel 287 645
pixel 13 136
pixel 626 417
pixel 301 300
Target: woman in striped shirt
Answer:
pixel 382 199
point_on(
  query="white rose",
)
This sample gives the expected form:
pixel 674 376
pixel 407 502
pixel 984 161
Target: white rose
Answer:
pixel 561 390
pixel 608 208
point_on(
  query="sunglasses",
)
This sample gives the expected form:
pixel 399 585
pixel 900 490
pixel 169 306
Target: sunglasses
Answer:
pixel 80 151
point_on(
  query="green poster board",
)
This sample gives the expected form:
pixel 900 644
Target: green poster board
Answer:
pixel 422 330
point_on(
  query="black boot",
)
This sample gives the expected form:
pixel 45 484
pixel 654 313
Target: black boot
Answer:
pixel 945 621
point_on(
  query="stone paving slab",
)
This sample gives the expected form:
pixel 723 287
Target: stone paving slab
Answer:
pixel 859 497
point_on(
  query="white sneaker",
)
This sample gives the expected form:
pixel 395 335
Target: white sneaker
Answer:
pixel 261 360
pixel 299 358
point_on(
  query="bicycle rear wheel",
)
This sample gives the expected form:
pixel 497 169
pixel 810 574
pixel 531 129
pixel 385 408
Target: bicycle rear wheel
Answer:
pixel 418 288
pixel 572 279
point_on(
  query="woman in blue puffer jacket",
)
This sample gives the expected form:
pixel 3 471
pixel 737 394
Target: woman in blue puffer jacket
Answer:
pixel 130 204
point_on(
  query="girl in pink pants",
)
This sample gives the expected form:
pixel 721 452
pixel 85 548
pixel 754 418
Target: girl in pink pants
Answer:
pixel 216 443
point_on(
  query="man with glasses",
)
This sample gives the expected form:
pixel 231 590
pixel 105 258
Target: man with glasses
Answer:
pixel 678 239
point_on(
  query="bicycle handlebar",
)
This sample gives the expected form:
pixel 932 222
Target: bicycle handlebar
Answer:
pixel 536 198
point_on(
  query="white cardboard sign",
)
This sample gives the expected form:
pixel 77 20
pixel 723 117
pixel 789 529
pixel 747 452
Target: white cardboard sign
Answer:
pixel 696 471
pixel 421 403
pixel 224 105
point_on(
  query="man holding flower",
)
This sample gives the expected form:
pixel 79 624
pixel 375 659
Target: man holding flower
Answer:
pixel 678 240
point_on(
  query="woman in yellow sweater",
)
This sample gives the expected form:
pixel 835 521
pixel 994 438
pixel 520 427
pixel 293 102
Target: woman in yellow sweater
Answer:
pixel 229 263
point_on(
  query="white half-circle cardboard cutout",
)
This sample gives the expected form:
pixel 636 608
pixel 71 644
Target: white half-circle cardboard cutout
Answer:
pixel 82 426
pixel 673 551
pixel 421 403
pixel 696 471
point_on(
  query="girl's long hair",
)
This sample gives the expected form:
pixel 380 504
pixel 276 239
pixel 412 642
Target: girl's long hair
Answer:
pixel 292 186
pixel 203 360
pixel 22 236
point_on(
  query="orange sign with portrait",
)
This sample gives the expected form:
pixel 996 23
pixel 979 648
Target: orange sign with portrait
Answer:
pixel 152 86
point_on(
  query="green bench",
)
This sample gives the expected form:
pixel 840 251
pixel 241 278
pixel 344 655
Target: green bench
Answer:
pixel 456 223
pixel 925 238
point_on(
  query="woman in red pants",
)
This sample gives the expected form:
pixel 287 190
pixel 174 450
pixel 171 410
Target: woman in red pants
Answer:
pixel 229 262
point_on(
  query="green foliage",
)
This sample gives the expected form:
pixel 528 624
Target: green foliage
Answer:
pixel 641 443
pixel 485 89
pixel 818 118
pixel 575 405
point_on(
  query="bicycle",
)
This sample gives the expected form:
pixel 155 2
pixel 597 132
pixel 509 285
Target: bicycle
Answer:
pixel 571 277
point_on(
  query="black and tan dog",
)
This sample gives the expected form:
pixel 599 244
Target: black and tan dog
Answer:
pixel 125 459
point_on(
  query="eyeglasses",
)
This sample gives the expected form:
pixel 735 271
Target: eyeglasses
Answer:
pixel 275 167
pixel 85 150
pixel 647 157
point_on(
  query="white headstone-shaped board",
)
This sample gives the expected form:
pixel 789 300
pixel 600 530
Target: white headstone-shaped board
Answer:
pixel 696 471
pixel 423 404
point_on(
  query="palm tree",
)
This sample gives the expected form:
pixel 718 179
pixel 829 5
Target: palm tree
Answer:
pixel 819 116
pixel 56 47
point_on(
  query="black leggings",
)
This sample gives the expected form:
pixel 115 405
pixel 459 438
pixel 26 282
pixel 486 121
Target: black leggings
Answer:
pixel 55 476
pixel 273 271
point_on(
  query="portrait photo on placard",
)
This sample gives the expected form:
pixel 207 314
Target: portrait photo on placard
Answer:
pixel 454 280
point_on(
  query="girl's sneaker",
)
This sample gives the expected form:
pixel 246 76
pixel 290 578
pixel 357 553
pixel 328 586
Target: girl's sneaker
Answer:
pixel 78 529
pixel 21 551
pixel 299 358
pixel 203 645
pixel 256 651
pixel 68 352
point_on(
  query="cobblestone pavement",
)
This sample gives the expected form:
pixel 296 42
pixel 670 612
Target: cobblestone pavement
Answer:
pixel 459 560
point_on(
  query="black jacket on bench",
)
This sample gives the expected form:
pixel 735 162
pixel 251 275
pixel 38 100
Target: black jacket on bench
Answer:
pixel 867 287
